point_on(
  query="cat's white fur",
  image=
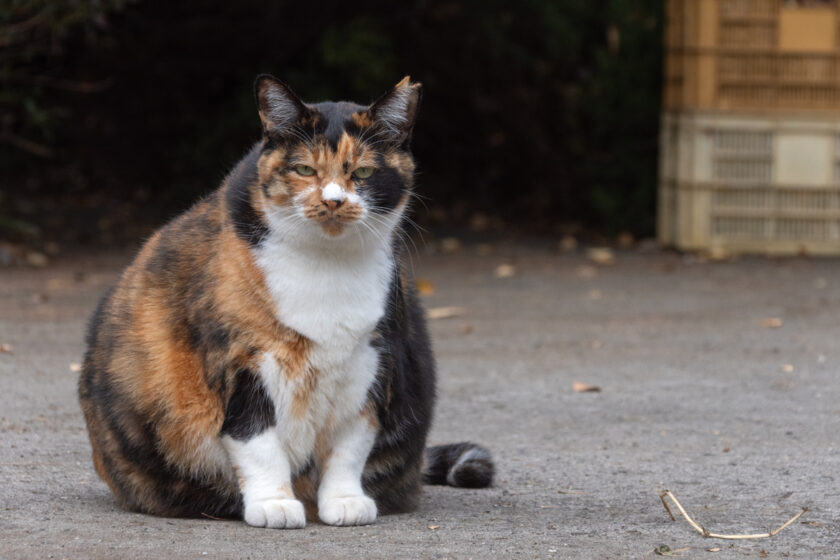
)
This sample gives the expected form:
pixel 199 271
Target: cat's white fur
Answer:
pixel 333 291
pixel 334 192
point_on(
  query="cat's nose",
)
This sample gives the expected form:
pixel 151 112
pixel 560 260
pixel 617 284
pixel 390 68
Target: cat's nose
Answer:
pixel 332 204
pixel 333 196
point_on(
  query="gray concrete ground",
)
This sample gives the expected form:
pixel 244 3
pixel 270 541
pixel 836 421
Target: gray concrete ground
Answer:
pixel 738 419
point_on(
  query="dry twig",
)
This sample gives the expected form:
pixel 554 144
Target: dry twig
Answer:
pixel 706 533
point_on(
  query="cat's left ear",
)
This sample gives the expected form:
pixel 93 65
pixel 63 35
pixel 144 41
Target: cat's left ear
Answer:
pixel 280 109
pixel 396 111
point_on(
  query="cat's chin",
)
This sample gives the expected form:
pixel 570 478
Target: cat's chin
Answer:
pixel 334 229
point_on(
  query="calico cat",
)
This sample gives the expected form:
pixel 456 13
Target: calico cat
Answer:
pixel 265 356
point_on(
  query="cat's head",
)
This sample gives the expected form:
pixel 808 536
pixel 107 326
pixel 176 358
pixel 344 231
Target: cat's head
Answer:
pixel 335 170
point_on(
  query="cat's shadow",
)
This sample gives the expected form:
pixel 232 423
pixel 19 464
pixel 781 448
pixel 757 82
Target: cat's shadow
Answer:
pixel 98 500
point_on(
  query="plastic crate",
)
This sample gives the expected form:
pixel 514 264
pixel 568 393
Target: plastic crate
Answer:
pixel 750 183
pixel 757 55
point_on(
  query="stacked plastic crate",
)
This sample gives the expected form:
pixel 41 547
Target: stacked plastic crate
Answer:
pixel 750 147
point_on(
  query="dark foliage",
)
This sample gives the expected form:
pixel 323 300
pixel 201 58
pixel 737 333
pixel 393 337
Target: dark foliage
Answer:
pixel 537 113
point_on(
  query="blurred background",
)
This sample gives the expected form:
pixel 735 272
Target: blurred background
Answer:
pixel 538 117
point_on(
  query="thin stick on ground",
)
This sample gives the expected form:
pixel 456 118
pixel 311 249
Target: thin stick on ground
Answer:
pixel 706 533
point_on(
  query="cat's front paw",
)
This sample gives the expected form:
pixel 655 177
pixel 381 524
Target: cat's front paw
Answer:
pixel 276 513
pixel 349 510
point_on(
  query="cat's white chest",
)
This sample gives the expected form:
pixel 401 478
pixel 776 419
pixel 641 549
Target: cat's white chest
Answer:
pixel 333 300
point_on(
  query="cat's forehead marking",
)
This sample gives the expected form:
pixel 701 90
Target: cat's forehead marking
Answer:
pixel 361 119
pixel 334 119
pixel 347 149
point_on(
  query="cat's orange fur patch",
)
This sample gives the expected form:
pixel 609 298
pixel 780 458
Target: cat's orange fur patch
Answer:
pixel 403 164
pixel 174 379
pixel 306 386
pixel 361 119
pixel 285 490
pixel 292 354
pixel 369 414
pixel 323 442
pixel 306 490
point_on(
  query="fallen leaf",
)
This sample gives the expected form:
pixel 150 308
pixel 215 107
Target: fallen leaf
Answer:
pixel 433 527
pixel 812 523
pixel 717 254
pixel 715 549
pixel 450 245
pixel 772 322
pixel 483 249
pixel 787 368
pixel 579 387
pixel 726 450
pixel 75 367
pixel 52 248
pixel 425 287
pixel 37 259
pixel 762 554
pixel 40 298
pixel 586 271
pixel 6 349
pixel 479 222
pixel 568 243
pixel 444 312
pixel 782 384
pixel 505 271
pixel 601 255
pixel 648 246
pixel 465 328
pixel 626 240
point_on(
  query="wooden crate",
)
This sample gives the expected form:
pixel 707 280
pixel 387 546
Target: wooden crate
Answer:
pixel 750 183
pixel 757 55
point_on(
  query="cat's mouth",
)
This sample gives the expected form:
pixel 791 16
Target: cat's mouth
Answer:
pixel 332 218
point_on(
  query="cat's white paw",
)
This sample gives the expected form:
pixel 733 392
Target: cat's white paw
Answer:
pixel 350 510
pixel 276 513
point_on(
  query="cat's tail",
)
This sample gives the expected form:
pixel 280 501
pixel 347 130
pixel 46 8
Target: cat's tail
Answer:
pixel 465 465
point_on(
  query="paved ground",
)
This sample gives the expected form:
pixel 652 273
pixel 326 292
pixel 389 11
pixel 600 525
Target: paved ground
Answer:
pixel 739 420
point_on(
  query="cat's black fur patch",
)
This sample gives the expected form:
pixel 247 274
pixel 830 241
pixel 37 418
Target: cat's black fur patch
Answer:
pixel 250 410
pixel 335 118
pixel 385 188
pixel 247 223
pixel 404 393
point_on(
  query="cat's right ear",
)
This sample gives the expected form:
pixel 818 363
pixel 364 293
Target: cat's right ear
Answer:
pixel 280 109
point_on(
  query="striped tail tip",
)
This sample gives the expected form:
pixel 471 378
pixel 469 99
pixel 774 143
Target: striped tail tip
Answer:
pixel 463 465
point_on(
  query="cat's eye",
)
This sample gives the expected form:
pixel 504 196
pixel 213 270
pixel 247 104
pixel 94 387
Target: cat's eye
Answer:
pixel 363 172
pixel 304 170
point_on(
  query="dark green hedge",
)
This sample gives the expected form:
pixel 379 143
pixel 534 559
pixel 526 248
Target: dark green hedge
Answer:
pixel 539 113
